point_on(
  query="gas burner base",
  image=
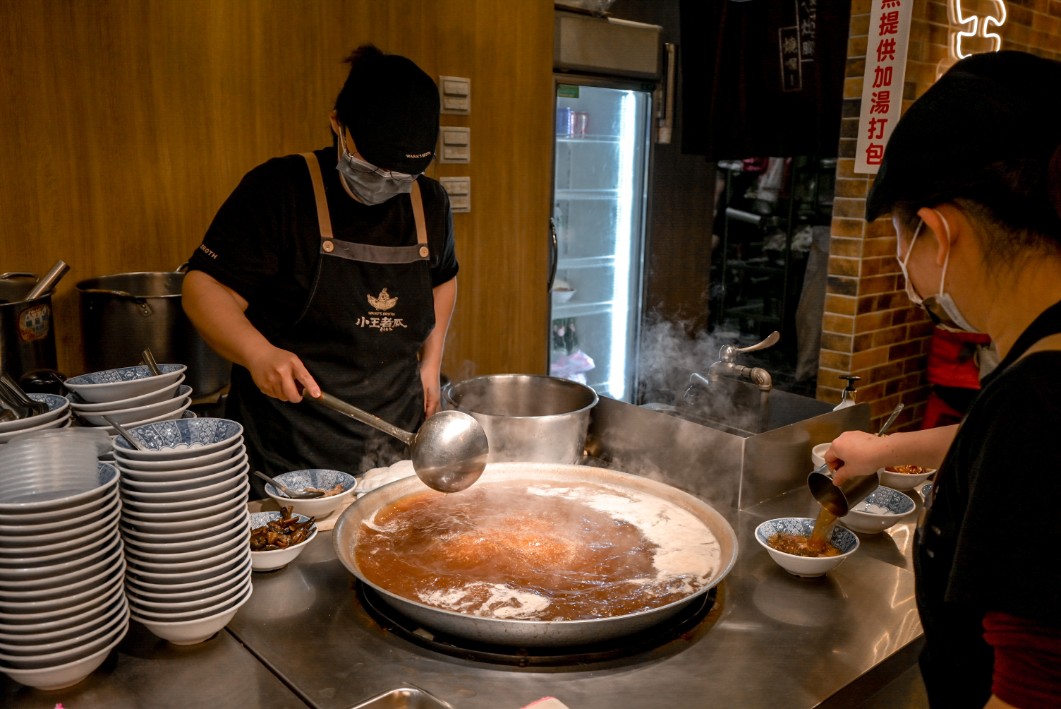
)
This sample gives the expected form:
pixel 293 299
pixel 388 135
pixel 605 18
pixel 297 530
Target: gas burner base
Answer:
pixel 681 626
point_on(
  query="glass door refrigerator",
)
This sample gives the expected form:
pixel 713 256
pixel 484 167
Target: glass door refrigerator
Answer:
pixel 607 72
pixel 601 160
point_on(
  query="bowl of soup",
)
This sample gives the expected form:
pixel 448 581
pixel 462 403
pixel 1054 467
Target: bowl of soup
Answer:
pixel 789 542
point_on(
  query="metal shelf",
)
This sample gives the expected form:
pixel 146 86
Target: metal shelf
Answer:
pixel 574 310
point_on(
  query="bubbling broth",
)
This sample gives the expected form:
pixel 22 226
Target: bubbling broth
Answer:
pixel 538 551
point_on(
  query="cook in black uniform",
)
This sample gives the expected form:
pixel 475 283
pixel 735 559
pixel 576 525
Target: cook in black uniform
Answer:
pixel 335 270
pixel 972 178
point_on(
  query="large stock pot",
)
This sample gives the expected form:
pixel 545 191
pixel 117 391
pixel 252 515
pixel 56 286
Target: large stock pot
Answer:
pixel 121 314
pixel 532 633
pixel 528 418
pixel 27 339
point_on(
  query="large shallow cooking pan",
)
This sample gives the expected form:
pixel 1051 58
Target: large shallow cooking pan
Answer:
pixel 531 633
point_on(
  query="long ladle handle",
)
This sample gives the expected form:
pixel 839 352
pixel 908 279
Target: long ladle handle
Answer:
pixel 363 416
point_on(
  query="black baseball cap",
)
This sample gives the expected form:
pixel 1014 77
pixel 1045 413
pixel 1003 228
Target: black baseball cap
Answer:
pixel 391 108
pixel 984 109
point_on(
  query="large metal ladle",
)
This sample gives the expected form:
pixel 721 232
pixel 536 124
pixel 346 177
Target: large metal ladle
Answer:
pixel 449 451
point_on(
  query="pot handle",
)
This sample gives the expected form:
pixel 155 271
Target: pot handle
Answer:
pixel 17 274
pixel 145 307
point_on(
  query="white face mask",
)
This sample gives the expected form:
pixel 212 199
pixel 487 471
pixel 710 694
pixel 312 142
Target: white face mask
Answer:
pixel 941 307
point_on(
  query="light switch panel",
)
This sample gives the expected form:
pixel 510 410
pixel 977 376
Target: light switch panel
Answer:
pixel 455 93
pixel 459 190
pixel 456 144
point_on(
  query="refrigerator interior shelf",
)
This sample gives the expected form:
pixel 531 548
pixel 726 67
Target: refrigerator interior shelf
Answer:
pixel 574 310
pixel 586 262
pixel 586 194
pixel 589 140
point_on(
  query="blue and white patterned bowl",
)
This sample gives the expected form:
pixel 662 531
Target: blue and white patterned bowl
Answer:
pixel 277 558
pixel 880 510
pixel 314 477
pixel 180 438
pixel 58 407
pixel 123 382
pixel 807 566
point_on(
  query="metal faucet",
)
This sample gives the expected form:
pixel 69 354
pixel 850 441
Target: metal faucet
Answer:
pixel 727 367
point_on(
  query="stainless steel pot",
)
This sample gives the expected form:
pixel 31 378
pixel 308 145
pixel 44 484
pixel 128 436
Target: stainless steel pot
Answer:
pixel 530 633
pixel 527 417
pixel 27 340
pixel 122 314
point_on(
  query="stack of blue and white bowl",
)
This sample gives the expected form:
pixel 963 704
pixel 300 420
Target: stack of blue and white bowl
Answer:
pixel 129 395
pixel 185 525
pixel 62 601
pixel 57 416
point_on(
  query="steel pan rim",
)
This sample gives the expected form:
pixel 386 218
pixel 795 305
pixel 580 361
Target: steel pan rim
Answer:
pixel 536 632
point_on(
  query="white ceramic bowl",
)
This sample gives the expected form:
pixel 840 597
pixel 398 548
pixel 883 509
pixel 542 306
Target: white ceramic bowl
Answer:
pixel 137 493
pixel 123 382
pixel 190 632
pixel 167 392
pixel 167 503
pixel 143 412
pixel 277 558
pixel 179 439
pixel 222 577
pixel 179 463
pixel 61 422
pixel 817 454
pixel 807 566
pixel 91 601
pixel 57 407
pixel 217 599
pixel 319 507
pixel 904 481
pixel 65 675
pixel 880 510
pixel 41 491
pixel 42 543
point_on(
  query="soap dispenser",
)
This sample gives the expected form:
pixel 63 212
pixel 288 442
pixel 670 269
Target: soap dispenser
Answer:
pixel 847 396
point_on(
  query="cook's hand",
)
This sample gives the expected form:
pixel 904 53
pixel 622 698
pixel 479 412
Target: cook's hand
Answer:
pixel 857 453
pixel 281 375
pixel 432 392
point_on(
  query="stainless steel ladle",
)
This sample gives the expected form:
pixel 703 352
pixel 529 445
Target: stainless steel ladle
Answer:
pixel 449 451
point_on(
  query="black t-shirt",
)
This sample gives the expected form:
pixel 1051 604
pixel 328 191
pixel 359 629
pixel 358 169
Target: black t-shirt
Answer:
pixel 989 540
pixel 265 239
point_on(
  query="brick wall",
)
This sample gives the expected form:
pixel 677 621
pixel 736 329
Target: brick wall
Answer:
pixel 870 329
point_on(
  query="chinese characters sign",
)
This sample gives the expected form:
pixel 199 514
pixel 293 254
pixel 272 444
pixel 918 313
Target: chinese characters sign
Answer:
pixel 882 85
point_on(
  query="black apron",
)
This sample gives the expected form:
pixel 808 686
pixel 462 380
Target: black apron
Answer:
pixel 369 310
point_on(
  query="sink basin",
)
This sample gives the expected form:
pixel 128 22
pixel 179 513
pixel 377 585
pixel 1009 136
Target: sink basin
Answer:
pixel 734 452
pixel 740 408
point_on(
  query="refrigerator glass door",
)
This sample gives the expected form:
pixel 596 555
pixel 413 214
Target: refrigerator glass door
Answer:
pixel 599 203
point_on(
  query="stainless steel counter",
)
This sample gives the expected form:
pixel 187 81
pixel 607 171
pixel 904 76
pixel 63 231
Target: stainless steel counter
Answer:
pixel 771 639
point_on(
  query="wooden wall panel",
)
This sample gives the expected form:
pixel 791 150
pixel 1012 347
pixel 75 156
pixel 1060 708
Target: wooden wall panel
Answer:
pixel 125 123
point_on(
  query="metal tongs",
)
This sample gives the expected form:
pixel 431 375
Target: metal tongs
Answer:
pixel 15 401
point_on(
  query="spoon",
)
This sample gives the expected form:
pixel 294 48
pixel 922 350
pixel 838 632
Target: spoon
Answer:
pixel 288 492
pixel 149 360
pixel 891 418
pixel 125 434
pixel 449 451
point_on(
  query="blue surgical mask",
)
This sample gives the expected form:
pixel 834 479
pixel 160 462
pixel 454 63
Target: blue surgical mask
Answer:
pixel 369 184
pixel 941 307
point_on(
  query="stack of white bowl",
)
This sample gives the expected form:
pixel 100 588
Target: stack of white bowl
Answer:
pixel 185 525
pixel 129 395
pixel 62 602
pixel 57 416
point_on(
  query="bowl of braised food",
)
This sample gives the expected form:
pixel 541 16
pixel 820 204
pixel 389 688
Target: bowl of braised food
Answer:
pixel 794 546
pixel 277 538
pixel 904 477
